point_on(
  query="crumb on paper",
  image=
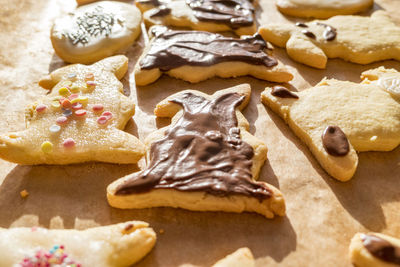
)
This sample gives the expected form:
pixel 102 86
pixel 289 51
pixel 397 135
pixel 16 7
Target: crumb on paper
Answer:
pixel 24 193
pixel 162 231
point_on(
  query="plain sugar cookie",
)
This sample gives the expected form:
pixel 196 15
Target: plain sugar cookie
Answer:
pixel 96 31
pixel 357 39
pixel 337 118
pixel 322 9
pixel 374 250
pixel 115 245
pixel 195 56
pixel 205 160
pixel 204 15
pixel 81 119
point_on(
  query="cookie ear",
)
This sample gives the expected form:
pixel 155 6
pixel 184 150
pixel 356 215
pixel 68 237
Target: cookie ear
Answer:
pixel 279 105
pixel 116 64
pixel 49 81
pixel 305 51
pixel 278 34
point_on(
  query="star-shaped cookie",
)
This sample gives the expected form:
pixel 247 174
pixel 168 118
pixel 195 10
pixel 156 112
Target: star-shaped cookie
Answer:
pixel 337 118
pixel 205 15
pixel 357 39
pixel 81 119
pixel 107 246
pixel 206 160
pixel 374 250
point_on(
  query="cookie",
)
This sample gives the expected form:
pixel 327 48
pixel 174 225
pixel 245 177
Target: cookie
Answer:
pixel 96 31
pixel 337 118
pixel 206 160
pixel 357 39
pixel 240 258
pixel 375 250
pixel 107 246
pixel 80 119
pixel 84 2
pixel 195 56
pixel 205 15
pixel 322 9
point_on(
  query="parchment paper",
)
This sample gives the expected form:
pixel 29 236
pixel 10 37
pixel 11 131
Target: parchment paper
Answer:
pixel 322 213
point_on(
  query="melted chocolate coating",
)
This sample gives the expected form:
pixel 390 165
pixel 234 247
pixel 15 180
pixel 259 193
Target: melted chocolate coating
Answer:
pixel 381 248
pixel 335 141
pixel 201 152
pixel 283 92
pixel 160 11
pixel 172 49
pixel 235 13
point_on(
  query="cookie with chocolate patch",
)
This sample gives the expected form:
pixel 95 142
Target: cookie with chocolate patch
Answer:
pixel 374 250
pixel 204 15
pixel 195 56
pixel 240 258
pixel 96 31
pixel 206 160
pixel 322 9
pixel 337 118
pixel 120 244
pixel 81 119
pixel 357 39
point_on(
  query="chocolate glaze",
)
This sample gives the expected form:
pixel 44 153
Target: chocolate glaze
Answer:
pixel 172 49
pixel 308 34
pixel 335 141
pixel 381 248
pixel 160 11
pixel 235 13
pixel 283 92
pixel 201 152
pixel 329 32
pixel 301 24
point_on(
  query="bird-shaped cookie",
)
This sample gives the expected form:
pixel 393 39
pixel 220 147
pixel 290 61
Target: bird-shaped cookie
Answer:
pixel 337 118
pixel 206 160
pixel 81 119
pixel 357 39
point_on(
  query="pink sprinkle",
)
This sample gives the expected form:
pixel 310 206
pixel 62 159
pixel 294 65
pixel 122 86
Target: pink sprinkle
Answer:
pixel 73 96
pixel 66 103
pixel 89 77
pixel 33 229
pixel 102 120
pixel 80 112
pixel 41 107
pixel 107 114
pixel 69 142
pixel 97 107
pixel 62 246
pixel 76 106
pixel 61 120
pixel 91 83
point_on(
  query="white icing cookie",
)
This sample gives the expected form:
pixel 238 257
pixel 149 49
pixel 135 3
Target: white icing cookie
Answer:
pixel 206 160
pixel 374 250
pixel 322 9
pixel 357 39
pixel 96 31
pixel 205 15
pixel 107 246
pixel 366 113
pixel 240 258
pixel 81 119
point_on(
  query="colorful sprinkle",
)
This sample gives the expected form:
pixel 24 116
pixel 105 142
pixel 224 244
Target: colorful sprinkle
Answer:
pixel 47 147
pixel 89 77
pixel 91 83
pixel 75 89
pixel 55 128
pixel 80 112
pixel 82 99
pixel 64 91
pixel 61 120
pixel 73 96
pixel 107 114
pixel 67 112
pixel 54 257
pixel 24 193
pixel 76 106
pixel 102 120
pixel 69 142
pixel 97 107
pixel 55 104
pixel 41 108
pixel 66 103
